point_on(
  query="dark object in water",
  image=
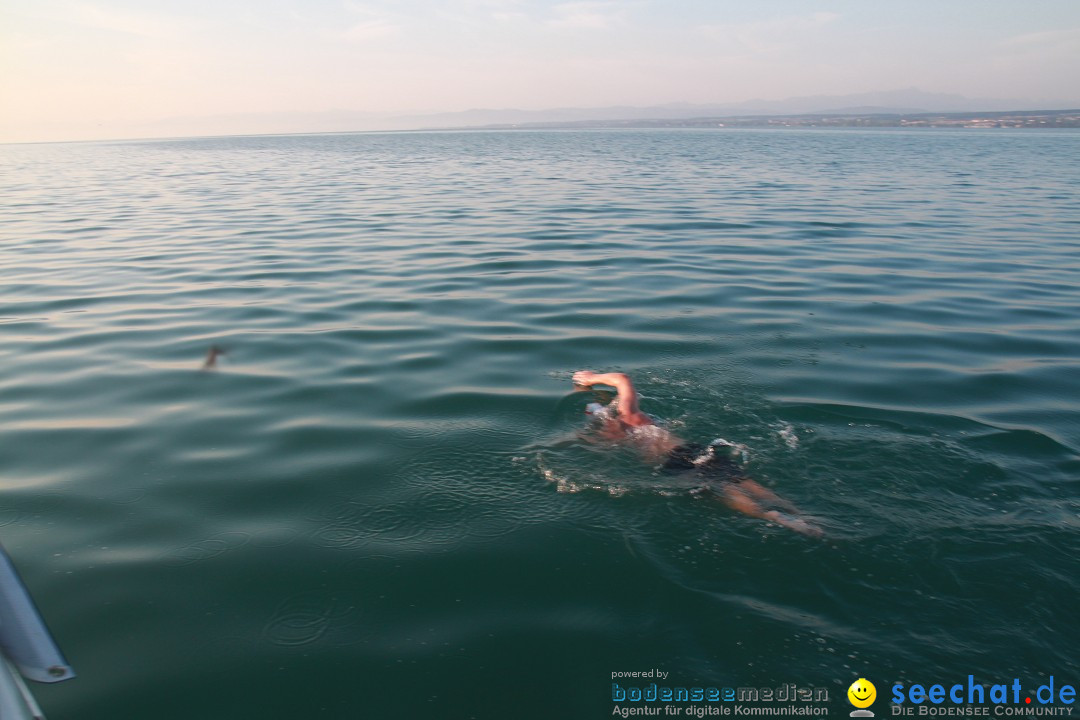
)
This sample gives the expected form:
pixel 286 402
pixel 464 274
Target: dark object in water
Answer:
pixel 212 356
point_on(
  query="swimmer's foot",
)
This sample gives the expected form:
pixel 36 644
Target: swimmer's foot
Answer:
pixel 794 523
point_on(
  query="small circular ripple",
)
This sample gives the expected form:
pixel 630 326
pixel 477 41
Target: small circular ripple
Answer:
pixel 206 549
pixel 487 507
pixel 446 517
pixel 357 521
pixel 332 509
pixel 127 497
pixel 429 511
pixel 427 522
pixel 306 619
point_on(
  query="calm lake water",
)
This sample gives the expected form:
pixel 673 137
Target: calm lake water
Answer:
pixel 381 505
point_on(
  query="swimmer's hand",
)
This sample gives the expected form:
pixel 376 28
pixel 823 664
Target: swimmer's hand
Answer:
pixel 628 397
pixel 584 378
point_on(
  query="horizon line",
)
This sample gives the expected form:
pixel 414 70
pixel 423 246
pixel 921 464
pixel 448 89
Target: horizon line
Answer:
pixel 595 124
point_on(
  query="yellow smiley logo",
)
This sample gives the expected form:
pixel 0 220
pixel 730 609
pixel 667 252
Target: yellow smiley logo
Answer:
pixel 862 693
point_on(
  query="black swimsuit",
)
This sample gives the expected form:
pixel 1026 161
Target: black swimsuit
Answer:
pixel 704 461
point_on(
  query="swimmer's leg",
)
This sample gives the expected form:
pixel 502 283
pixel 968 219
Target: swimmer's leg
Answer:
pixel 763 493
pixel 794 523
pixel 737 498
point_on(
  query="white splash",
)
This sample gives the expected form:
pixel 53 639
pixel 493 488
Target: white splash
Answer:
pixel 787 434
pixel 566 485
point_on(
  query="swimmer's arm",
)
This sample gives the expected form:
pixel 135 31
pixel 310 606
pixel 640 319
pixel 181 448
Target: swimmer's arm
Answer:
pixel 628 397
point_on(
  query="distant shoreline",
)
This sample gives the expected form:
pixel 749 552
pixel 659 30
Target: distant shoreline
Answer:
pixel 1028 119
pixel 1018 119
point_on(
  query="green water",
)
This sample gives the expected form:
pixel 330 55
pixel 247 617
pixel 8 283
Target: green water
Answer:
pixel 381 505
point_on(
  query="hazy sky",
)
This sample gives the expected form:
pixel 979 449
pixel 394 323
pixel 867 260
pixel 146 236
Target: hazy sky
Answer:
pixel 73 69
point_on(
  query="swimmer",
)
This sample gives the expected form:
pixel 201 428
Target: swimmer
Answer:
pixel 623 420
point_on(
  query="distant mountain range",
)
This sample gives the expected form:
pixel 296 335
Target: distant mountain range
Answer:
pixel 897 102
